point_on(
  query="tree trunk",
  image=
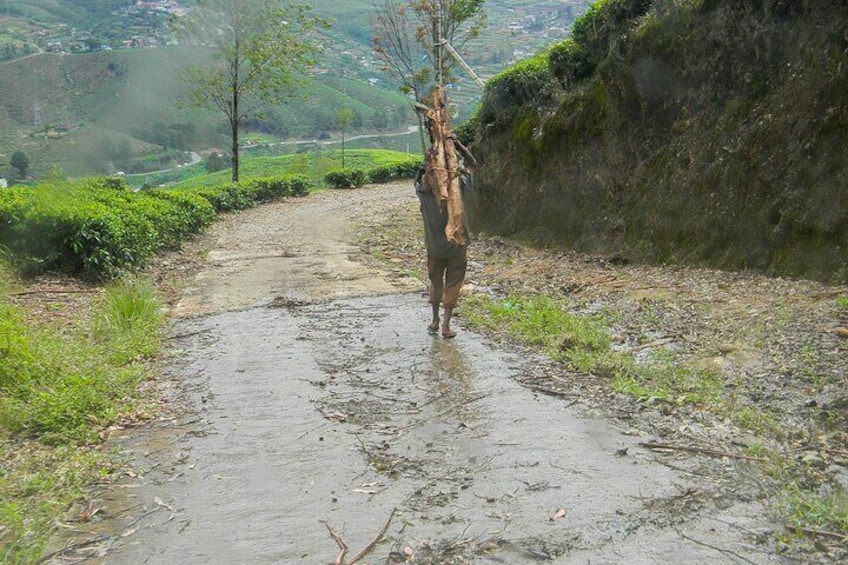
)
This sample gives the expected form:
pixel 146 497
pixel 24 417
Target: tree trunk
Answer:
pixel 235 150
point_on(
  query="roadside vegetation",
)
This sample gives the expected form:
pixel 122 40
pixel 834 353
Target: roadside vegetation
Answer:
pixel 62 381
pixel 313 165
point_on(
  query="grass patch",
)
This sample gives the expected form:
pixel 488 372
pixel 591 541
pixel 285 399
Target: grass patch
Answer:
pixel 669 382
pixel 59 388
pixel 842 305
pixel 540 321
pixel 37 485
pixel 583 343
pixel 805 509
pixel 756 420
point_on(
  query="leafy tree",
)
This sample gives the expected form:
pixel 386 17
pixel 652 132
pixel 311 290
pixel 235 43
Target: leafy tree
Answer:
pixel 410 31
pixel 344 118
pixel 258 49
pixel 20 162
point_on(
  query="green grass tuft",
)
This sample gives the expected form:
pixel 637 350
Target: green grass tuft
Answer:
pixel 59 388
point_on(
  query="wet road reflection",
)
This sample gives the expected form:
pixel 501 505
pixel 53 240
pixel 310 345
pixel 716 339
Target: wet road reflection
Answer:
pixel 343 411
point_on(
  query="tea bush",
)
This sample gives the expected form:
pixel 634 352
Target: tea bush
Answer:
pixel 348 178
pixel 378 175
pixel 99 229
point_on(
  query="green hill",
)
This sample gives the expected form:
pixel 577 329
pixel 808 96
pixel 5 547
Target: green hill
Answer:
pixel 94 113
pixel 103 99
pixel 704 131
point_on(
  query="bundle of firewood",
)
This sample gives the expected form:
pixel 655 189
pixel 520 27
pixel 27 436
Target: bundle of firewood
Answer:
pixel 441 166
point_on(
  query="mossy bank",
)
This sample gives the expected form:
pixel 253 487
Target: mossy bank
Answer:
pixel 707 132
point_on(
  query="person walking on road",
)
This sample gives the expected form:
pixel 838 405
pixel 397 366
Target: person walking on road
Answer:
pixel 446 262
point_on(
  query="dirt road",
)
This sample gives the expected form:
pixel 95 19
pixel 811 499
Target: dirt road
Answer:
pixel 314 402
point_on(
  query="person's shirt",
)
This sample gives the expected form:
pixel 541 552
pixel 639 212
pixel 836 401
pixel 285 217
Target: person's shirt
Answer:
pixel 435 220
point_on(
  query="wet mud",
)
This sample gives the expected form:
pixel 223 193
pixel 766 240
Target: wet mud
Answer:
pixel 310 414
pixel 347 411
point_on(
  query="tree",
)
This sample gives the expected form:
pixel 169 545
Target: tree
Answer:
pixel 344 118
pixel 259 48
pixel 411 31
pixel 20 162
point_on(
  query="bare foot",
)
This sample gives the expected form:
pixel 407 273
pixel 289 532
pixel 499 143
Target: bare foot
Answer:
pixel 433 328
pixel 448 333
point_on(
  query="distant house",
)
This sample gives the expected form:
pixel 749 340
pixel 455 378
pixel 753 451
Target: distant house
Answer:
pixel 54 46
pixel 3 183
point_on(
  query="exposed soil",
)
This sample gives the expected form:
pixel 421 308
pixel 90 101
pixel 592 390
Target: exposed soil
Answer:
pixel 304 388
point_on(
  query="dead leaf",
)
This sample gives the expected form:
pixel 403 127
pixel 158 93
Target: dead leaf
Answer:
pixel 162 503
pixel 129 532
pixel 842 332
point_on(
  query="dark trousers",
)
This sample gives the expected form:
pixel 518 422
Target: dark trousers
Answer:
pixel 446 277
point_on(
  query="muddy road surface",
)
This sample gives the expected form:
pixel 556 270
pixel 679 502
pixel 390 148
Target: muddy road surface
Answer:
pixel 317 411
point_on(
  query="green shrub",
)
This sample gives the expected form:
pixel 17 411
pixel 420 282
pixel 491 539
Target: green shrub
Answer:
pixel 570 62
pixel 99 229
pixel 229 197
pixel 529 83
pixel 270 188
pixel 348 178
pixel 467 132
pixel 194 213
pixel 396 171
pixel 605 20
pixel 381 175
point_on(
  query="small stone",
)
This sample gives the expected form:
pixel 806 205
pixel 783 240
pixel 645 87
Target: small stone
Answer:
pixel 842 332
pixel 811 458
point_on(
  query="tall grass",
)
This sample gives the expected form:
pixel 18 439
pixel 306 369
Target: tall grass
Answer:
pixel 59 388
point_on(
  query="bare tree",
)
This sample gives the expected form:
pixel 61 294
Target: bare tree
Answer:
pixel 259 48
pixel 410 36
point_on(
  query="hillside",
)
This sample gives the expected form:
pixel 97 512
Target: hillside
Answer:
pixel 94 113
pixel 89 86
pixel 707 132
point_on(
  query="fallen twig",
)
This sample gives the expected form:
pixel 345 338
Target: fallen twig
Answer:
pixel 820 533
pixel 715 452
pixel 74 547
pixel 834 451
pixel 376 539
pixel 719 549
pixel 650 345
pixel 189 334
pixel 443 412
pixel 343 548
pixel 340 560
pixel 53 291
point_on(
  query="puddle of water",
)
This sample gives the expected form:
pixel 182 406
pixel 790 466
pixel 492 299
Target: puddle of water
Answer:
pixel 343 411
